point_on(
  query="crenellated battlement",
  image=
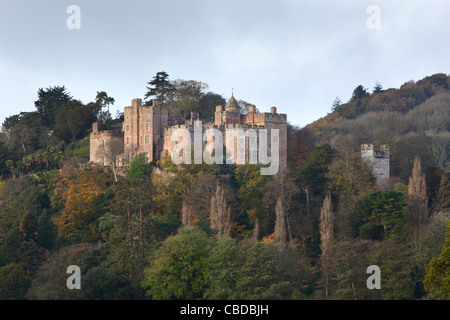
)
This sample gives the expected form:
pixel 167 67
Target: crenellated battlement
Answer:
pixel 148 129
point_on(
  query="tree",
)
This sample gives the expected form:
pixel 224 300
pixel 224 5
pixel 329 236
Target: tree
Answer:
pixel 103 100
pixel 100 283
pixel 133 233
pixel 207 105
pixel 417 202
pixel 74 119
pixel 280 222
pixel 139 167
pixel 179 267
pixel 313 173
pixel 336 104
pixel 14 282
pixel 359 93
pixel 326 236
pixel 246 271
pixel 5 155
pixel 49 283
pixel 350 176
pixel 49 103
pixel 406 149
pixel 444 193
pixel 109 152
pixel 437 279
pixel 223 276
pixel 378 88
pixel 251 189
pixel 27 135
pixel 381 214
pixel 220 212
pixel 186 97
pixel 300 145
pixel 78 188
pixel 160 88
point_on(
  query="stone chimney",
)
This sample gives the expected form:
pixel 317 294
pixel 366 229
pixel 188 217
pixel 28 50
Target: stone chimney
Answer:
pixel 273 110
pixel 218 116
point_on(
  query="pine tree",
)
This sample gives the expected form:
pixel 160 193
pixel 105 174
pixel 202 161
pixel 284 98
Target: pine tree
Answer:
pixel 160 87
pixel 336 104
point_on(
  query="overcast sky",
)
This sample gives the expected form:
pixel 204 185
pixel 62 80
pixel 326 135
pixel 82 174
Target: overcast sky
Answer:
pixel 295 55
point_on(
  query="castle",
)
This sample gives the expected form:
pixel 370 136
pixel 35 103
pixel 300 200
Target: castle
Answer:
pixel 149 130
pixel 378 159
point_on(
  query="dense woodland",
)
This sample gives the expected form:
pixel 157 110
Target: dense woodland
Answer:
pixel 162 231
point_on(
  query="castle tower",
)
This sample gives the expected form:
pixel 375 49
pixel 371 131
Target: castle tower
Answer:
pixel 143 129
pixel 378 160
pixel 232 113
pixel 104 144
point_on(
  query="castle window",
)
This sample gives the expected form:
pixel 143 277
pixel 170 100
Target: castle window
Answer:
pixel 146 126
pixel 147 139
pixel 164 120
pixel 270 126
pixel 128 140
pixel 147 116
pixel 282 127
pixel 254 156
pixel 128 128
pixel 241 155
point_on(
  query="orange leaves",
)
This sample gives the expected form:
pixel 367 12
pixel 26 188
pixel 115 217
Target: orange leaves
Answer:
pixel 78 187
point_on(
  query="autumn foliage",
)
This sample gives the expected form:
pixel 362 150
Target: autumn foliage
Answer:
pixel 78 187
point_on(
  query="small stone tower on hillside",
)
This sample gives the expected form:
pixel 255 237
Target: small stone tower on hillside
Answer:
pixel 378 159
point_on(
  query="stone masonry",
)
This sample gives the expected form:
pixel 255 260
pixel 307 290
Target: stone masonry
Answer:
pixel 148 129
pixel 378 159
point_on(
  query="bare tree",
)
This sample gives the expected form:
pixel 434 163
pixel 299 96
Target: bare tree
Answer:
pixel 287 190
pixel 220 212
pixel 280 222
pixel 109 152
pixel 186 217
pixel 256 230
pixel 326 236
pixel 417 201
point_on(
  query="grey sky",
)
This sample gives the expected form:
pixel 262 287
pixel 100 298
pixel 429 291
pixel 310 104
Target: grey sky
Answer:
pixel 295 55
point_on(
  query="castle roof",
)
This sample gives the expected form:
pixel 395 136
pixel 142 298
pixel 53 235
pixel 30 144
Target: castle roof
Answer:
pixel 232 104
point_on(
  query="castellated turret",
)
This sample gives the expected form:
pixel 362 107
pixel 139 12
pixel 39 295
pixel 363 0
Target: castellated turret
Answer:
pixel 378 159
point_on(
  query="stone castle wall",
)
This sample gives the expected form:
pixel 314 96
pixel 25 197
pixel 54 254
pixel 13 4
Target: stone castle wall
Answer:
pixel 378 159
pixel 148 129
pixel 102 141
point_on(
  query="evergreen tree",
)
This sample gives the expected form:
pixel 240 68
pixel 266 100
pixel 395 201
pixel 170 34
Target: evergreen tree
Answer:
pixel 336 104
pixel 378 88
pixel 359 93
pixel 159 88
pixel 50 101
